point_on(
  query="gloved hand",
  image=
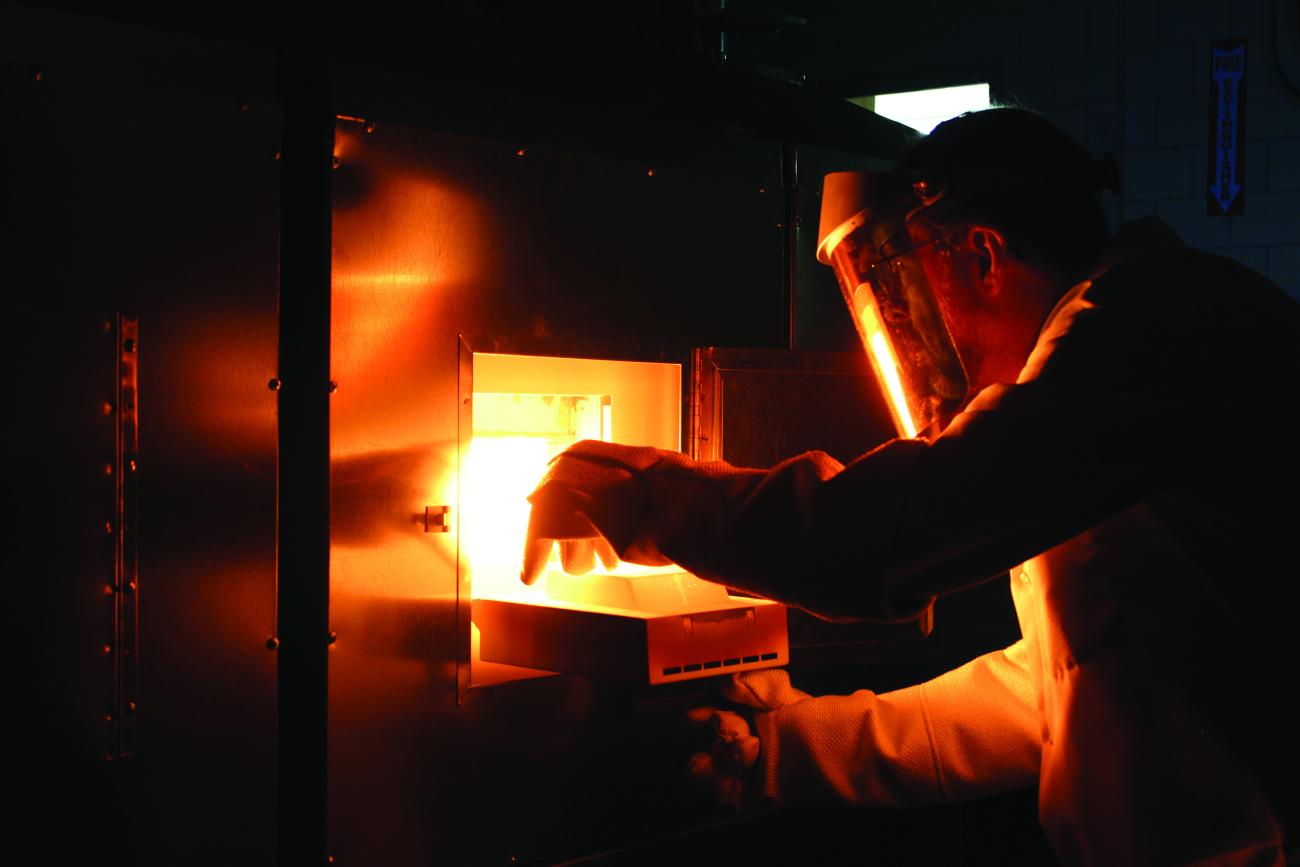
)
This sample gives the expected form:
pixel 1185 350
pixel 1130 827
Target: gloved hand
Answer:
pixel 726 768
pixel 729 769
pixel 591 501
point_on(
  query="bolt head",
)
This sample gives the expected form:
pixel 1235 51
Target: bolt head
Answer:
pixel 272 643
pixel 273 384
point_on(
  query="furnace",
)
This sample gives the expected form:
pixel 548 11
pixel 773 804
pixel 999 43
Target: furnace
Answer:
pixel 644 624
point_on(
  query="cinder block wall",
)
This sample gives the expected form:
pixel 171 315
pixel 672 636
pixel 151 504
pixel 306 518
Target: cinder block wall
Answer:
pixel 1131 78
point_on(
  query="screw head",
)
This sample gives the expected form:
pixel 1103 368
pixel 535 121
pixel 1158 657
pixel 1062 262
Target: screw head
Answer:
pixel 335 163
pixel 273 384
pixel 370 126
pixel 107 408
pixel 272 643
pixel 521 152
pixel 128 345
pixel 108 469
pixel 333 386
pixel 649 173
pixel 333 637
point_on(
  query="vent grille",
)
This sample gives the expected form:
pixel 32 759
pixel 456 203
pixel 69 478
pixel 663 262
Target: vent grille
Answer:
pixel 689 668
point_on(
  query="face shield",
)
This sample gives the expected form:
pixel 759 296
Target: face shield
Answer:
pixel 884 268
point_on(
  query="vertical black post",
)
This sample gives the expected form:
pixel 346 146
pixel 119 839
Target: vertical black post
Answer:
pixel 790 238
pixel 302 566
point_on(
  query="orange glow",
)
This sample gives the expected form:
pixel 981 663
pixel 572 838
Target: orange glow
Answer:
pixel 550 404
pixel 887 366
pixel 527 409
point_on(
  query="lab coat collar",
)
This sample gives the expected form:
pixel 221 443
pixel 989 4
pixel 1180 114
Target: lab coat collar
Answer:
pixel 1133 239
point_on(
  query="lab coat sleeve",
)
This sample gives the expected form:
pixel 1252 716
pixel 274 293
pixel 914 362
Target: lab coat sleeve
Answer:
pixel 1113 405
pixel 968 733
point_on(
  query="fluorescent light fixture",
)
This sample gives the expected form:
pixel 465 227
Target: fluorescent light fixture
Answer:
pixel 923 110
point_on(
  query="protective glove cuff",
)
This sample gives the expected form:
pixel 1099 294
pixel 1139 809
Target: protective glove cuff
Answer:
pixel 764 690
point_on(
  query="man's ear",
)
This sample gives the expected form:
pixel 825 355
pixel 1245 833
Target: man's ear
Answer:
pixel 990 250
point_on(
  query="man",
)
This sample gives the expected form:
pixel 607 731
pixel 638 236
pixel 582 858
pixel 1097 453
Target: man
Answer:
pixel 1108 421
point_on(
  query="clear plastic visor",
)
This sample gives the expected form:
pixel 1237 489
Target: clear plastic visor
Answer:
pixel 900 324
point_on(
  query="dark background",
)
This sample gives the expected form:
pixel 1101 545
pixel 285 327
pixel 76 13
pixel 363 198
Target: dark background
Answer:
pixel 172 162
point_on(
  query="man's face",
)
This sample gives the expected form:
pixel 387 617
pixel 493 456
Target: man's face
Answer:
pixel 991 301
pixel 948 273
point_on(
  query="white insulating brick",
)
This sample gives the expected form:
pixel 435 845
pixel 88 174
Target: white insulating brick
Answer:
pixel 1250 18
pixel 1141 23
pixel 1272 112
pixel 1163 70
pixel 1158 173
pixel 1087 77
pixel 1181 119
pixel 1029 82
pixel 1187 217
pixel 1136 210
pixel 1102 127
pixel 1053 32
pixel 1283 164
pixel 983 37
pixel 1192 19
pixel 1110 205
pixel 1284 268
pixel 1270 218
pixel 1257 167
pixel 1104 26
pixel 1140 123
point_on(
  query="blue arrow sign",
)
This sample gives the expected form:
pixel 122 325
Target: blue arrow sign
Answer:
pixel 1227 127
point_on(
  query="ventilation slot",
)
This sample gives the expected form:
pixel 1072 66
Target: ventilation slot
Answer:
pixel 671 670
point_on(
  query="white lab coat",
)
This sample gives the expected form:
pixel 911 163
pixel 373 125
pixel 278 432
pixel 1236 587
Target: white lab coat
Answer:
pixel 1096 703
pixel 1137 481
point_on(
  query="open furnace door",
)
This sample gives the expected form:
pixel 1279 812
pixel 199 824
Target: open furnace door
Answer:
pixel 757 407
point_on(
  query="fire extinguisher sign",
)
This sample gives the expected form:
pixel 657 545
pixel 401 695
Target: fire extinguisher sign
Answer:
pixel 1227 164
